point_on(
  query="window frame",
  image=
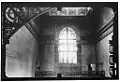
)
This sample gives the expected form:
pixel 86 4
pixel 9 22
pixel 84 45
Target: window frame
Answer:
pixel 68 29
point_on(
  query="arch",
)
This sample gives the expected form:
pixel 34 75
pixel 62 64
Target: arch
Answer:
pixel 67 46
pixel 67 33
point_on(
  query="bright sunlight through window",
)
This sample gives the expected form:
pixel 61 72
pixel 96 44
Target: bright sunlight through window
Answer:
pixel 67 46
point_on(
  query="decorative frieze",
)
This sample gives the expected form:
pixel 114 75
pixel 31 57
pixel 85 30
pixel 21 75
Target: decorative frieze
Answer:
pixel 71 11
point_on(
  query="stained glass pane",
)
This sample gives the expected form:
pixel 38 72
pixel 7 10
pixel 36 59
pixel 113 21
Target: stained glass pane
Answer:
pixel 69 57
pixel 62 47
pixel 71 47
pixel 71 34
pixel 65 57
pixel 71 42
pixel 63 34
pixel 67 46
pixel 74 57
pixel 62 41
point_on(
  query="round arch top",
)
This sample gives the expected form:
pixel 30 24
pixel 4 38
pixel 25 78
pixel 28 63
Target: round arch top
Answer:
pixel 67 33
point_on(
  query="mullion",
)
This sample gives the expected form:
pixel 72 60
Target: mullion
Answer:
pixel 67 39
pixel 67 56
pixel 68 51
pixel 67 43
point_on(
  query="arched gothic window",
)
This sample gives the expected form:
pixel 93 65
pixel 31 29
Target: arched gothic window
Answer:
pixel 67 46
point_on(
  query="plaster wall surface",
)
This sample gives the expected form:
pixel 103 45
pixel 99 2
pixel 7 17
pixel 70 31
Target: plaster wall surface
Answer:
pixel 21 54
pixel 102 49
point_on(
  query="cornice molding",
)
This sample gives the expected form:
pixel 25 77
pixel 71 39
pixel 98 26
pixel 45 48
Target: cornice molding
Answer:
pixel 30 28
pixel 105 30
